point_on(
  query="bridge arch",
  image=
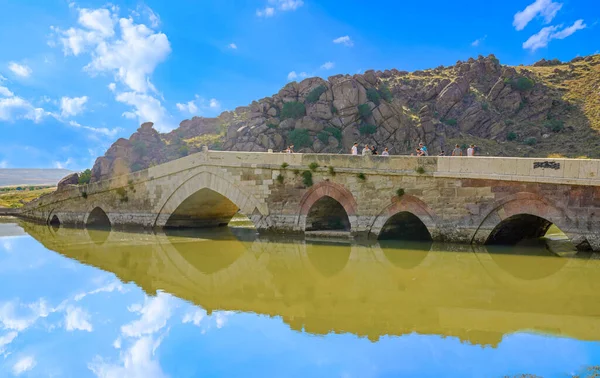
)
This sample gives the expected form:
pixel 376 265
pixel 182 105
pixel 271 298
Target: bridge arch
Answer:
pixel 206 200
pixel 97 218
pixel 407 218
pixel 518 217
pixel 327 206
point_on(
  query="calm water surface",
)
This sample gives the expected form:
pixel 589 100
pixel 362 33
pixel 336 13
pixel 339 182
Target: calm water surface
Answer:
pixel 79 303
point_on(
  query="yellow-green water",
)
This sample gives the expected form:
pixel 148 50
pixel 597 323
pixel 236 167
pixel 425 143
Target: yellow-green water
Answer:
pixel 394 309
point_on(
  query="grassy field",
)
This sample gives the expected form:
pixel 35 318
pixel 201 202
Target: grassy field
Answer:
pixel 16 198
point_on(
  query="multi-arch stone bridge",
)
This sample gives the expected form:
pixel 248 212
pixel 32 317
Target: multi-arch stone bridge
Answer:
pixel 459 199
pixel 362 288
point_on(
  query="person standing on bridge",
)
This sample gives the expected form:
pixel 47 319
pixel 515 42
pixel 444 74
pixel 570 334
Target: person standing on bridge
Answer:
pixel 457 151
pixel 385 152
pixel 423 149
pixel 471 150
pixel 354 150
pixel 366 151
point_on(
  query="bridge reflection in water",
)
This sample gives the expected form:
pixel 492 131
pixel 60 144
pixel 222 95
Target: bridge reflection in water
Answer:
pixel 473 293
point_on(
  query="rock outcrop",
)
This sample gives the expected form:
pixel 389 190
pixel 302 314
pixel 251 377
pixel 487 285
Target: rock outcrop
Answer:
pixel 478 99
pixel 67 181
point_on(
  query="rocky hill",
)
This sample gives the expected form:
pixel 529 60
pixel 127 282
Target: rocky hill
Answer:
pixel 550 108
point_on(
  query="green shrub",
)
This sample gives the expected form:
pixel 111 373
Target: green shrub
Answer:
pixel 367 129
pixel 84 195
pixel 280 179
pixel 373 96
pixel 284 165
pixel 139 147
pixel 530 141
pixel 85 177
pixel 313 166
pixel 331 171
pixel 450 121
pixel 485 106
pixel 511 136
pixel 314 95
pixel 521 83
pixel 307 178
pixel 495 60
pixel 293 109
pixel 361 176
pixel 136 167
pixel 334 110
pixel 323 136
pixel 400 192
pixel 385 93
pixel 272 126
pixel 420 170
pixel 555 125
pixel 299 138
pixel 335 132
pixel 183 150
pixel 509 122
pixel 296 172
pixel 364 110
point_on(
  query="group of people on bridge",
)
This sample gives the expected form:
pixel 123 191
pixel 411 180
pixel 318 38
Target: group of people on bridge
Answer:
pixel 421 150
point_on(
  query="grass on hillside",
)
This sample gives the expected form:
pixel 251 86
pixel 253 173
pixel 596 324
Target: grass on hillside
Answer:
pixel 17 198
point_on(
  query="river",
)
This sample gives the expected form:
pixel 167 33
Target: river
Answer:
pixel 228 303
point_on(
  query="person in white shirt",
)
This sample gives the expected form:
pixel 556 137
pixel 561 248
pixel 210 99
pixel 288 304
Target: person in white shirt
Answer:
pixel 355 149
pixel 471 150
pixel 366 150
pixel 385 152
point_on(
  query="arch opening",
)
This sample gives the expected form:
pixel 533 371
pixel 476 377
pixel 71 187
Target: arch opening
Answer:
pixel 54 222
pixel 405 226
pixel 519 228
pixel 207 209
pixel 98 219
pixel 327 214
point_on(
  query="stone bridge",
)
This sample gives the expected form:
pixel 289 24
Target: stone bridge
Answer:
pixel 365 289
pixel 459 199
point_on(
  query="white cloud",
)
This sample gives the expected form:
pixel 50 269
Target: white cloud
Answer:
pixel 345 40
pixel 99 20
pixel 137 362
pixel 146 109
pixel 154 315
pixel 113 286
pixel 62 165
pixel 13 108
pixel 117 343
pixel 21 70
pixel 99 130
pixel 214 104
pixel 189 107
pixel 134 57
pixel 71 106
pixel 112 87
pixel 327 65
pixel 287 5
pixel 544 36
pixel 545 8
pixel 5 92
pixel 195 317
pixel 2 78
pixel 77 319
pixel 3 164
pixel 5 340
pixel 152 17
pixel 233 46
pixel 294 76
pixel 267 12
pixel 477 42
pixel 23 364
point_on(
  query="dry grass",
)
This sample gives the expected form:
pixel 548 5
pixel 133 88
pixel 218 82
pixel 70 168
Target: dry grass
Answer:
pixel 17 198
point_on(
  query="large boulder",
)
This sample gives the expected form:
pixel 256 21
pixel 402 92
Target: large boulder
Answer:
pixel 68 181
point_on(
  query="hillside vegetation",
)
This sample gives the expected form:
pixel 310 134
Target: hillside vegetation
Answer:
pixel 15 197
pixel 548 109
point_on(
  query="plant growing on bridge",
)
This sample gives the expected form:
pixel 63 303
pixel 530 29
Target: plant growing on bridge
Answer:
pixel 280 179
pixel 400 192
pixel 85 177
pixel 293 109
pixel 361 176
pixel 284 165
pixel 307 178
pixel 122 192
pixel 420 170
pixel 84 195
pixel 314 95
pixel 313 166
pixel 296 172
pixel 331 171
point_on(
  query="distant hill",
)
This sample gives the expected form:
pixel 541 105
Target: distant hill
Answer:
pixel 12 177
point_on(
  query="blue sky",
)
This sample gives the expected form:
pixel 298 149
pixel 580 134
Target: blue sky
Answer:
pixel 75 76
